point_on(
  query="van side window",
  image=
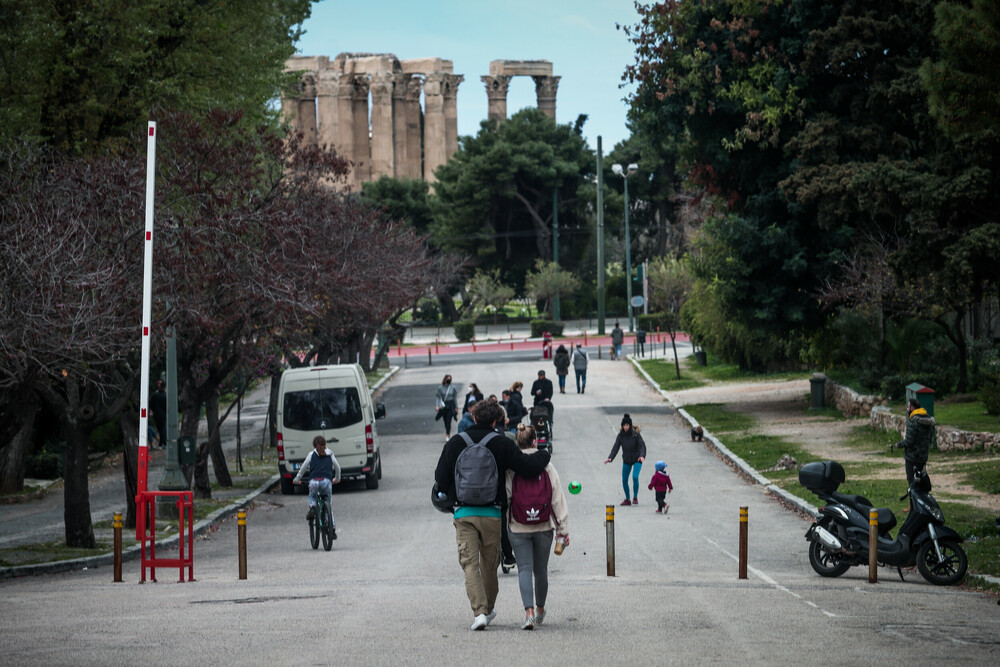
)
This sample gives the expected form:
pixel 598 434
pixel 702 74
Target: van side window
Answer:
pixel 321 409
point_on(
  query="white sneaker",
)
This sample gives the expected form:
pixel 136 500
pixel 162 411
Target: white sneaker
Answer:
pixel 480 622
pixel 490 616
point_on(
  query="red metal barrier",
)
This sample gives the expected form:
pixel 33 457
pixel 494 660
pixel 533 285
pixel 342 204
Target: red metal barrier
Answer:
pixel 146 504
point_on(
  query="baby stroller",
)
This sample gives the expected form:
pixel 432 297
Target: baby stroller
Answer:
pixel 541 420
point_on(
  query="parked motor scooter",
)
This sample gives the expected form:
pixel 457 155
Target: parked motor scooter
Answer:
pixel 838 539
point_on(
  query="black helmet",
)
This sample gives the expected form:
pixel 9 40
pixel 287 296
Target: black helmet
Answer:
pixel 445 504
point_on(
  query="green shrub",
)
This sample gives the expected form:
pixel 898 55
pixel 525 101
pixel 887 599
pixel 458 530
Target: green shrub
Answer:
pixel 107 437
pixel 650 321
pixel 989 394
pixel 428 310
pixel 538 327
pixel 465 330
pixel 44 465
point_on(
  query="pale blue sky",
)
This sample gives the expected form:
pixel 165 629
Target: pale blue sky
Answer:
pixel 580 39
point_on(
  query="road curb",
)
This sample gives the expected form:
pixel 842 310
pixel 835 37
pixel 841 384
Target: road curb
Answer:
pixel 131 553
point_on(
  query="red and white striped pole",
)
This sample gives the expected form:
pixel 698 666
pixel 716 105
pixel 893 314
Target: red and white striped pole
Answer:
pixel 147 299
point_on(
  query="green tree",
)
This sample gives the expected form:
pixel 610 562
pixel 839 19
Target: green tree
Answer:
pixel 548 281
pixel 401 199
pixel 670 282
pixel 493 198
pixel 485 290
pixel 963 80
pixel 77 74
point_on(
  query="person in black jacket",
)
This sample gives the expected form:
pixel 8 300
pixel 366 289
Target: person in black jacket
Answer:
pixel 472 397
pixel 477 528
pixel 541 389
pixel 633 454
pixel 515 406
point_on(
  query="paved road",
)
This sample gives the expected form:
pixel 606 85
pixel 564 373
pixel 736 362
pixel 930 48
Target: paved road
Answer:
pixel 391 590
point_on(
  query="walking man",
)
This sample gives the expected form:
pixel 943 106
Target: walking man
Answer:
pixel 617 338
pixel 477 526
pixel 580 360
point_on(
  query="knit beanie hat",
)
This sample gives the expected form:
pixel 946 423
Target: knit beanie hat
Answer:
pixel 626 420
pixel 661 465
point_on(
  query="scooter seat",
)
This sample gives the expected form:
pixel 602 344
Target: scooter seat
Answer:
pixel 860 503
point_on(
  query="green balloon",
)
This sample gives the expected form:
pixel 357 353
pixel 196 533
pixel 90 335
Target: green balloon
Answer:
pixel 575 487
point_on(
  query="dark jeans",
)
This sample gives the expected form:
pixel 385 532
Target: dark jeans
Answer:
pixel 581 380
pixel 449 414
pixel 661 501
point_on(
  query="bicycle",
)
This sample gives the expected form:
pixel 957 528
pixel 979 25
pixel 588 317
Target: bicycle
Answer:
pixel 321 524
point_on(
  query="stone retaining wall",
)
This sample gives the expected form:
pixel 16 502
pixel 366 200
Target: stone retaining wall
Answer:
pixel 850 402
pixel 948 439
pixel 853 404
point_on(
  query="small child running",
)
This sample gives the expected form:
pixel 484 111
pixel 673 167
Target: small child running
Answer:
pixel 661 483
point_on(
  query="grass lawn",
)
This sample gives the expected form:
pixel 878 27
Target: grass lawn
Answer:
pixel 665 374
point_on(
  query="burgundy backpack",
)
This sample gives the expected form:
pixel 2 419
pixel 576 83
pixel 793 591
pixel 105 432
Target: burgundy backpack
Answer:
pixel 531 499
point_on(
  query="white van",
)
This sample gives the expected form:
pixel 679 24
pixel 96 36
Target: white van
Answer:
pixel 334 402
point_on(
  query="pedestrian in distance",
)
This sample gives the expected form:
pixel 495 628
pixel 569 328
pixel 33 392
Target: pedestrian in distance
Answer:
pixel 324 471
pixel 561 362
pixel 446 405
pixel 640 339
pixel 617 338
pixel 541 389
pixel 580 360
pixel 515 406
pixel 538 511
pixel 472 397
pixel 662 485
pixel 474 479
pixel 633 454
pixel 916 443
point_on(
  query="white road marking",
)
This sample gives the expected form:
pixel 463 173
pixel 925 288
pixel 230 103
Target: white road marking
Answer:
pixel 768 580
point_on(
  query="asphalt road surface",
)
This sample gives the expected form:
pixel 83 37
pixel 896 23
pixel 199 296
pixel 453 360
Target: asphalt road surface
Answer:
pixel 391 591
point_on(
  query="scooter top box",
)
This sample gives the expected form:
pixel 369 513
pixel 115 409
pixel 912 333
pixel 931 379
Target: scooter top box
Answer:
pixel 825 476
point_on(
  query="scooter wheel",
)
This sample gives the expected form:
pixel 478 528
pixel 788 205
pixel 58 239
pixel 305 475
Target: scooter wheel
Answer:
pixel 949 569
pixel 825 563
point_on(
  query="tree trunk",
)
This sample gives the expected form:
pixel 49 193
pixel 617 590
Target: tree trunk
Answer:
pixel 130 464
pixel 189 428
pixel 673 343
pixel 448 311
pixel 202 485
pixel 219 464
pixel 14 456
pixel 272 408
pixel 76 492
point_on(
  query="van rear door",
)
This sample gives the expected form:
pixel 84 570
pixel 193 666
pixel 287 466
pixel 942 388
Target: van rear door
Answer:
pixel 344 420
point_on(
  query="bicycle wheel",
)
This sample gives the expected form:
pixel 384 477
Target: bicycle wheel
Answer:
pixel 327 528
pixel 314 531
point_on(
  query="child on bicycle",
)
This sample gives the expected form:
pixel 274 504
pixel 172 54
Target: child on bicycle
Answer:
pixel 324 472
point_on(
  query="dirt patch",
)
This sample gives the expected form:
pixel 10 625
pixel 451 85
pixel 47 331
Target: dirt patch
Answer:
pixel 780 408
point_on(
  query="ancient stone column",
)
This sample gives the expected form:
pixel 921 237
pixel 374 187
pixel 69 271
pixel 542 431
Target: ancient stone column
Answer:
pixel 345 119
pixel 450 92
pixel 307 109
pixel 545 92
pixel 362 147
pixel 434 124
pixel 496 93
pixel 414 124
pixel 327 87
pixel 382 126
pixel 399 147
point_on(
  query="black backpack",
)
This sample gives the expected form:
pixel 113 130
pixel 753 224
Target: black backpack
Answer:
pixel 476 476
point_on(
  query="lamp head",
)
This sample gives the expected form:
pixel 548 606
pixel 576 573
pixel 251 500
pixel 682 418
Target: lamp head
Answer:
pixel 632 168
pixel 616 169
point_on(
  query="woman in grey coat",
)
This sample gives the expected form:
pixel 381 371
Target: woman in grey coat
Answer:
pixel 445 405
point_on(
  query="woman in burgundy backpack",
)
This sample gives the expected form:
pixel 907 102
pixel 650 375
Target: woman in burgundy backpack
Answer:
pixel 536 511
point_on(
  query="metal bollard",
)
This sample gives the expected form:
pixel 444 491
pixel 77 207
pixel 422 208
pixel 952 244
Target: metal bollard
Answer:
pixel 406 361
pixel 585 339
pixel 609 524
pixel 873 546
pixel 436 351
pixel 744 519
pixel 598 351
pixel 118 547
pixel 241 518
pixel 429 362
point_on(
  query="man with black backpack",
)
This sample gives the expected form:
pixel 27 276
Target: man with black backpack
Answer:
pixel 472 472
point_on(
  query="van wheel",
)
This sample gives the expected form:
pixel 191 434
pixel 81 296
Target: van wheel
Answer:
pixel 287 488
pixel 380 467
pixel 371 480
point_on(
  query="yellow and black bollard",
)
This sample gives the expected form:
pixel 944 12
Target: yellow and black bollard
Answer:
pixel 609 524
pixel 241 518
pixel 873 546
pixel 744 521
pixel 118 547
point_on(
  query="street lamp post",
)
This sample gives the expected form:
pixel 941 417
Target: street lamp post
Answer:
pixel 625 173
